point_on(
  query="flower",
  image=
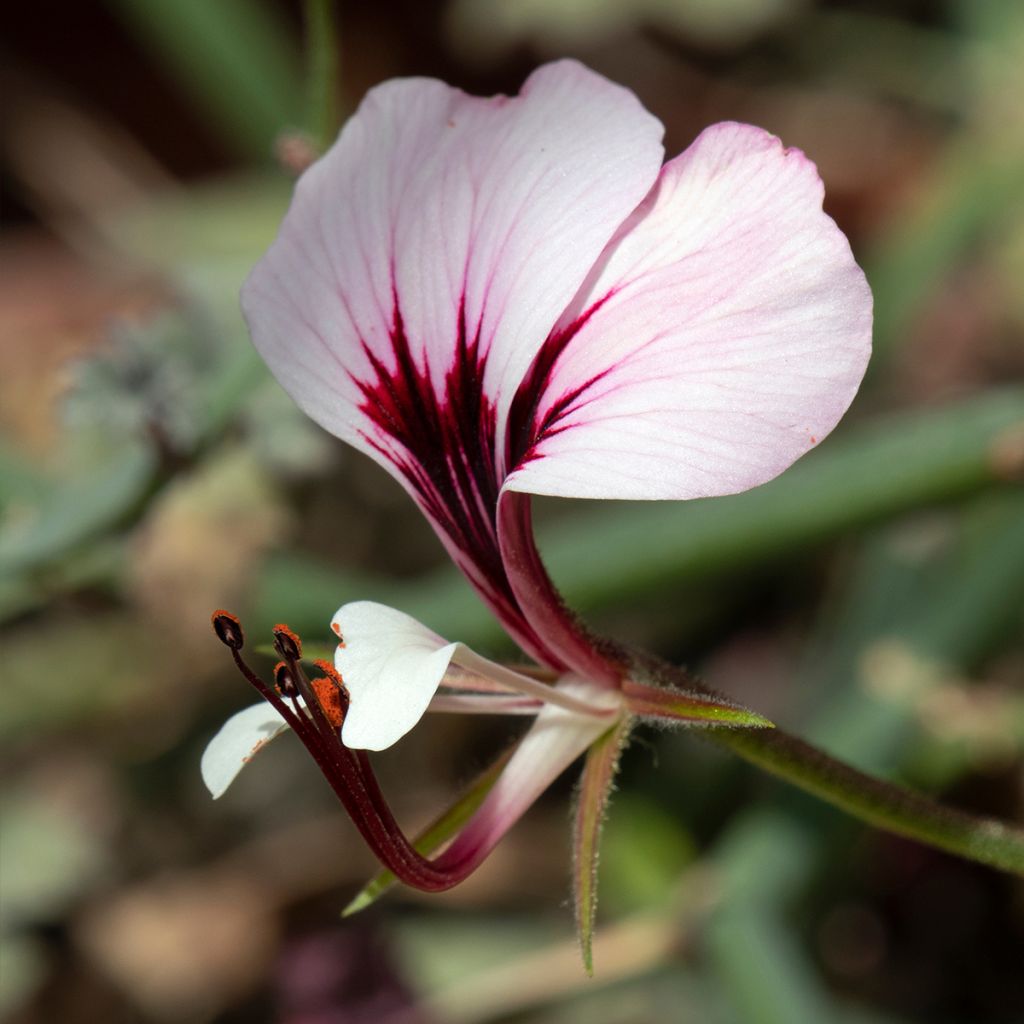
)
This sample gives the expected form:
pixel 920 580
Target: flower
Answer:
pixel 501 297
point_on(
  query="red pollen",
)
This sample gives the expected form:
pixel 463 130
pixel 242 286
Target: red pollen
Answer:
pixel 330 699
pixel 329 670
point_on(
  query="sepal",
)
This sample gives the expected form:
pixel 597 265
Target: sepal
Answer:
pixel 670 705
pixel 594 791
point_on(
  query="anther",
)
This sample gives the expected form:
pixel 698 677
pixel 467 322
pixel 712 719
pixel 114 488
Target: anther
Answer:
pixel 287 643
pixel 228 629
pixel 284 679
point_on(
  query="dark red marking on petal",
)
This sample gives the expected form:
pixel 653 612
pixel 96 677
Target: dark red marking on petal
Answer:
pixel 528 423
pixel 441 438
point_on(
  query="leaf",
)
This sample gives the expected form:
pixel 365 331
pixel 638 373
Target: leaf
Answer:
pixel 321 71
pixel 74 508
pixel 681 707
pixel 236 57
pixel 434 835
pixel 591 804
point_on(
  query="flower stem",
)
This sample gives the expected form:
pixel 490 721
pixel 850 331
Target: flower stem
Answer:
pixel 878 803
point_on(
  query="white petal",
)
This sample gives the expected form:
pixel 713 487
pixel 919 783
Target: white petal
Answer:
pixel 240 739
pixel 723 334
pixel 392 666
pixel 422 264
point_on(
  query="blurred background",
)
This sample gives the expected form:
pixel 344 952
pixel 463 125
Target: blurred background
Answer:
pixel 151 471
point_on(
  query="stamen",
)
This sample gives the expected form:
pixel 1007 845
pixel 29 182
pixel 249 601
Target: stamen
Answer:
pixel 287 643
pixel 332 693
pixel 329 699
pixel 284 680
pixel 315 710
pixel 228 629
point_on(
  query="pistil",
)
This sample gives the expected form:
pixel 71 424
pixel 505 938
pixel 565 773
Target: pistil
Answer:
pixel 315 711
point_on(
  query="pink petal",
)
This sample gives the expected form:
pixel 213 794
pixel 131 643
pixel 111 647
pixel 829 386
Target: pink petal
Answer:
pixel 723 334
pixel 554 741
pixel 423 262
pixel 484 704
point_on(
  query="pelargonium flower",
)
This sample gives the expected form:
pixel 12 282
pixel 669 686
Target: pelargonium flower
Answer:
pixel 501 297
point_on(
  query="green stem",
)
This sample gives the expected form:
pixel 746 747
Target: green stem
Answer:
pixel 321 72
pixel 879 803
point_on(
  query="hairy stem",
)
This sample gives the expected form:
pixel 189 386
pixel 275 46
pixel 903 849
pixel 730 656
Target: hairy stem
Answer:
pixel 878 803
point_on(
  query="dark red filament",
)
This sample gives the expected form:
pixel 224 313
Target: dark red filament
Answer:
pixel 315 710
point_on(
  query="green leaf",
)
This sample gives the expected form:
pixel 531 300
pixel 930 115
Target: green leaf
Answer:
pixel 236 57
pixel 671 705
pixel 434 835
pixel 591 805
pixel 321 72
pixel 872 472
pixel 74 508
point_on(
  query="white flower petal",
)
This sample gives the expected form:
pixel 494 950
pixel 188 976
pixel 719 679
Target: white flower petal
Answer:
pixel 421 265
pixel 722 335
pixel 475 218
pixel 392 666
pixel 240 739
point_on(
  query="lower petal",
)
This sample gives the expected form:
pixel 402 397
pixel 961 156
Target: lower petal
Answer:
pixel 556 739
pixel 240 739
pixel 392 666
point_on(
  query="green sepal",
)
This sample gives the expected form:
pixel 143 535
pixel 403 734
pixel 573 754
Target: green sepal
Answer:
pixel 684 707
pixel 591 805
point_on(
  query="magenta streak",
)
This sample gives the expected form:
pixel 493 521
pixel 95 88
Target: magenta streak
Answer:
pixel 535 594
pixel 445 449
pixel 527 423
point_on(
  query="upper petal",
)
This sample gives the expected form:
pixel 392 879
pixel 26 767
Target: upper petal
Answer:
pixel 240 738
pixel 445 207
pixel 723 334
pixel 424 260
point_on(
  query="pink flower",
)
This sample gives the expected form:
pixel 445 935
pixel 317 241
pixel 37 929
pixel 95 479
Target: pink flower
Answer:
pixel 501 297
